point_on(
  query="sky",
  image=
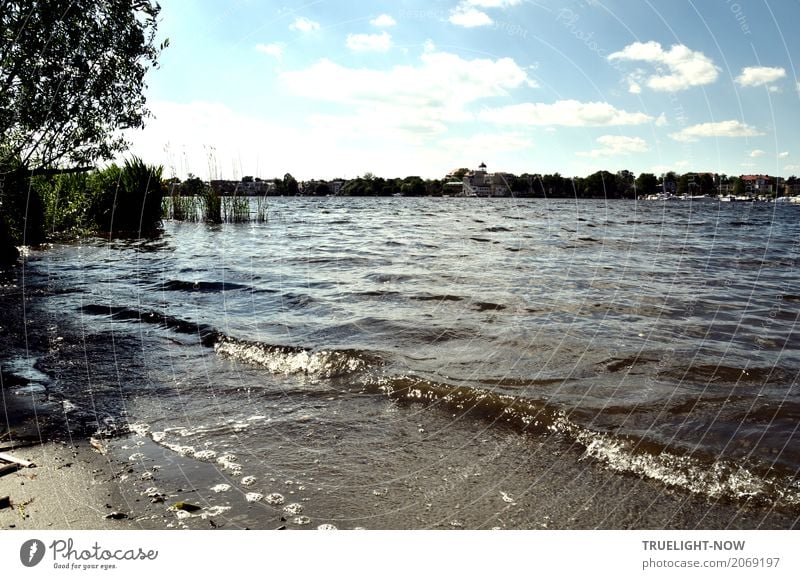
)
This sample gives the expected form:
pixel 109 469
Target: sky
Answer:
pixel 336 89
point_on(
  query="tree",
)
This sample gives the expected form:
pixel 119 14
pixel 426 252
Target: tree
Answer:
pixel 71 78
pixel 669 182
pixel 646 184
pixel 290 186
pixel 625 182
pixel 601 184
pixel 413 186
pixel 739 188
pixel 707 184
pixel 683 184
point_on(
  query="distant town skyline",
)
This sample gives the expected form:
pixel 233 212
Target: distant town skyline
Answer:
pixel 336 89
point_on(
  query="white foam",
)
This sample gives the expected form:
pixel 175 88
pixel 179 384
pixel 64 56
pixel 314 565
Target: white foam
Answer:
pixel 221 488
pixel 227 462
pixel 302 520
pixel 248 481
pixel 327 527
pixel 205 454
pixel 139 428
pixel 293 509
pixel 719 480
pixel 253 497
pixel 275 499
pixel 180 449
pixel 323 363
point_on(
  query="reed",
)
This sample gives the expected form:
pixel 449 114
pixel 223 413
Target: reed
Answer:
pixel 261 209
pixel 211 205
pixel 235 209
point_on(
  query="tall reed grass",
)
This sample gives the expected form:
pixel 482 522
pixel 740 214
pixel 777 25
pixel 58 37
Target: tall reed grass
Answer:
pixel 214 208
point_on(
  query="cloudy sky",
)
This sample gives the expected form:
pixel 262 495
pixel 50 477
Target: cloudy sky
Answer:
pixel 333 88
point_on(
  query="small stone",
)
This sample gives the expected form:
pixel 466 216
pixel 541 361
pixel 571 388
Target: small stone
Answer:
pixel 184 506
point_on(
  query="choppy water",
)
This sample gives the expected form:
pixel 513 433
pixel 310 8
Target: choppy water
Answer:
pixel 406 362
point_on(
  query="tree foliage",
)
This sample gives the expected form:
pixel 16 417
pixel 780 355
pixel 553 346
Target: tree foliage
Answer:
pixel 71 77
pixel 646 184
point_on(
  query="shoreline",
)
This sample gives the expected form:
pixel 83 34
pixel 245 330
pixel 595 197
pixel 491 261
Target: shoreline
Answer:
pixel 75 487
pixel 70 485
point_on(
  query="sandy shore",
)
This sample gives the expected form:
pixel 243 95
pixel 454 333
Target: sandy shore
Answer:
pixel 71 487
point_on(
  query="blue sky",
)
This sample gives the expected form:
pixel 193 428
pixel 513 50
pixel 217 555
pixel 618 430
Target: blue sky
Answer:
pixel 330 88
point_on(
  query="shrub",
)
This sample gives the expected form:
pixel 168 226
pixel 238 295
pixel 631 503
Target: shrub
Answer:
pixel 126 199
pixel 21 208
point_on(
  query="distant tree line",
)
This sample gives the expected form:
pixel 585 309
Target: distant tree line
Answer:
pixel 599 185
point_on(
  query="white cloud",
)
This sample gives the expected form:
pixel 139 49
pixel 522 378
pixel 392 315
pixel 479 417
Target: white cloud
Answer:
pixel 755 153
pixel 383 20
pixel 492 3
pixel 792 168
pixel 616 145
pixel 797 86
pixel 568 113
pixel 463 15
pixel 661 121
pixel 407 99
pixel 719 129
pixel 759 75
pixel 686 67
pixel 303 24
pixel 369 42
pixel 213 141
pixel 467 13
pixel 783 155
pixel 274 49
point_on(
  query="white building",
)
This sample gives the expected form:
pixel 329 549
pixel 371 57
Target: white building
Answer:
pixel 480 183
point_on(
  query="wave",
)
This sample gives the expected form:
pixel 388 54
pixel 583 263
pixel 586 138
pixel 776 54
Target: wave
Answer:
pixel 175 285
pixel 713 477
pixel 703 473
pixel 294 360
pixel 208 335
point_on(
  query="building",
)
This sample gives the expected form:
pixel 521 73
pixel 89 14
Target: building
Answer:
pixel 758 184
pixel 480 183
